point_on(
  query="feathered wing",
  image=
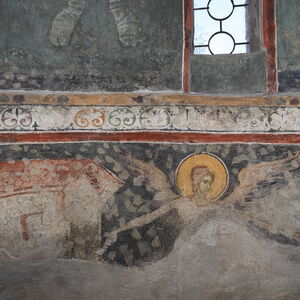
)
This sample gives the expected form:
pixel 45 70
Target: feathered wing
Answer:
pixel 146 174
pixel 268 195
pixel 264 172
pixel 155 181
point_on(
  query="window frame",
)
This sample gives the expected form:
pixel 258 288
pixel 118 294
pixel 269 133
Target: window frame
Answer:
pixel 268 43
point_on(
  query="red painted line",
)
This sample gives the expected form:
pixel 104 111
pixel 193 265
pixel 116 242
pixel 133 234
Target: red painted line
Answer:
pixel 171 137
pixel 188 30
pixel 18 194
pixel 24 225
pixel 269 34
pixel 28 193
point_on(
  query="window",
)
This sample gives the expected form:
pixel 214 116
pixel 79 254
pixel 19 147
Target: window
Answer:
pixel 221 27
pixel 229 27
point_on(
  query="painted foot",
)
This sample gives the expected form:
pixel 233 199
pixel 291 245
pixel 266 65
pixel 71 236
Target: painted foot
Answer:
pixel 128 24
pixel 64 23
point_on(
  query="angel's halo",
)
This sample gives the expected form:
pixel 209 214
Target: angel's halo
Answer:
pixel 215 165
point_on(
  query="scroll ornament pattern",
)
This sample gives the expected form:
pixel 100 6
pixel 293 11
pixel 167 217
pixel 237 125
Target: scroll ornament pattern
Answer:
pixel 16 118
pixel 89 116
pixel 122 116
pixel 156 118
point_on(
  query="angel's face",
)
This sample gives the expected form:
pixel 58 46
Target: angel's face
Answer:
pixel 202 181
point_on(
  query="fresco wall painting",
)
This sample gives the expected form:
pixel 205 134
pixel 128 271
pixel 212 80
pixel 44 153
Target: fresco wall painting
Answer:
pixel 113 194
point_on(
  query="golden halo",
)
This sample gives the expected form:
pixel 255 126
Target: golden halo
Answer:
pixel 215 166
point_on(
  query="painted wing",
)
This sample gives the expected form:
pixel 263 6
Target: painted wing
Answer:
pixel 268 195
pixel 146 174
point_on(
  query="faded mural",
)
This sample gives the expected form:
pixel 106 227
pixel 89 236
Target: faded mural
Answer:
pixel 144 220
pixel 288 45
pixel 128 204
pixel 128 25
pixel 90 45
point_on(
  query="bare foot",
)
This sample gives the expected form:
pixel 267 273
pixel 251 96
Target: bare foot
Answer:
pixel 64 23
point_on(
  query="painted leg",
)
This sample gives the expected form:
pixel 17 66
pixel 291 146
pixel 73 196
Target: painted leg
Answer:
pixel 64 23
pixel 129 26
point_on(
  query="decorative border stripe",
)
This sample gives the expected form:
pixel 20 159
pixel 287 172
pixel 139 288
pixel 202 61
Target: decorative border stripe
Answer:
pixel 50 137
pixel 136 99
pixel 179 118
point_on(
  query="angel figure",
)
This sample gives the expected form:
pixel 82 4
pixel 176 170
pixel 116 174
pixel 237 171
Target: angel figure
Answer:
pixel 128 25
pixel 201 180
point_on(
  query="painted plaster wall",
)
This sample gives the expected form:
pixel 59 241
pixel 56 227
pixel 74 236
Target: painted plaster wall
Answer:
pixel 138 49
pixel 110 219
pixel 229 74
pixel 288 18
pixel 139 118
pixel 249 238
pixel 97 51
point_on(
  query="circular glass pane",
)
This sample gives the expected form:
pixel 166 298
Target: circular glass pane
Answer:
pixel 220 9
pixel 221 43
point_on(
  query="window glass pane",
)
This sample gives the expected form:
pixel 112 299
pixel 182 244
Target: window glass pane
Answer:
pixel 221 25
pixel 220 9
pixel 221 43
pixel 241 49
pixel 200 3
pixel 202 50
pixel 237 2
pixel 236 24
pixel 204 27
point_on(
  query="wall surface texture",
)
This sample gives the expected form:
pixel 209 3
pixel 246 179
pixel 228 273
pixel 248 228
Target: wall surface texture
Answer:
pixel 288 15
pixel 91 45
pixel 132 169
